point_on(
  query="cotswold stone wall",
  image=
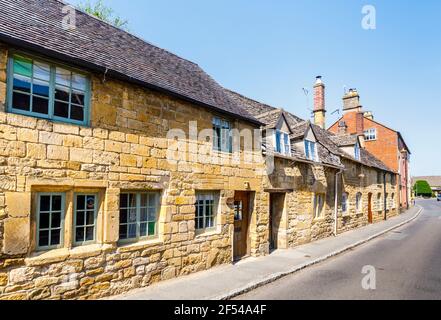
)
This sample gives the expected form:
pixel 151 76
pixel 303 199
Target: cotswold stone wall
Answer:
pixel 124 149
pixel 298 225
pixel 361 179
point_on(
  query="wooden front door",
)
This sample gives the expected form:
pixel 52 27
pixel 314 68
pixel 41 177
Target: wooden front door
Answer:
pixel 370 217
pixel 241 224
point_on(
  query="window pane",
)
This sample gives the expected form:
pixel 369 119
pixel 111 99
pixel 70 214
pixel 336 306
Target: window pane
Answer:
pixel 22 83
pixel 40 105
pixel 143 216
pixel 132 230
pixel 79 234
pixel 41 71
pixel 90 233
pixel 21 101
pixel 62 93
pixel 56 203
pixel 123 200
pixel 81 202
pixel 44 220
pixel 43 239
pixel 56 220
pixel 77 113
pixel 123 216
pixel 152 228
pixel 63 77
pixel 143 230
pixel 132 215
pixel 55 237
pixel 80 218
pixel 152 214
pixel 79 81
pixel 61 109
pixel 91 202
pixel 78 97
pixel 45 203
pixel 40 88
pixel 90 218
pixel 123 231
pixel 23 66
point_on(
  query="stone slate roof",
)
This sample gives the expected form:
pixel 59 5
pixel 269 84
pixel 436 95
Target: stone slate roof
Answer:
pixel 37 25
pixel 344 140
pixel 329 143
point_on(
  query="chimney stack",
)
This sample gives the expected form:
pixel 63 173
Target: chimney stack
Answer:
pixel 319 103
pixel 351 101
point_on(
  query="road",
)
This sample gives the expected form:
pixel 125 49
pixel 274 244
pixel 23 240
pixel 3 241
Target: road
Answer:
pixel 407 266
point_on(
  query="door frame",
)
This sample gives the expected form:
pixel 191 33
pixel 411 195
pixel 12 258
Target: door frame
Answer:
pixel 370 213
pixel 249 210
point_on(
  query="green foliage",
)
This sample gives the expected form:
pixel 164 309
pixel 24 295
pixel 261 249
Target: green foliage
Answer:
pixel 422 188
pixel 101 11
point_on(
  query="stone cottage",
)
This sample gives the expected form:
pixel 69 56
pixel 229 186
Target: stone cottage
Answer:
pixel 122 164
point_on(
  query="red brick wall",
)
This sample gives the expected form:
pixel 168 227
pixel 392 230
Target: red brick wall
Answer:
pixel 384 148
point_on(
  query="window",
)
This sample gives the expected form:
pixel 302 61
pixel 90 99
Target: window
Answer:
pixel 85 218
pixel 238 211
pixel 283 144
pixel 394 205
pixel 205 218
pixel 379 202
pixel 344 203
pixel 370 134
pixel 44 90
pixel 379 177
pixel 357 152
pixel 222 133
pixel 393 179
pixel 50 220
pixel 138 215
pixel 310 150
pixel 319 202
pixel 359 203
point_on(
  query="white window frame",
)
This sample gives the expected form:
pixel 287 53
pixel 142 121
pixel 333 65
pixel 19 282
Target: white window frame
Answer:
pixel 284 147
pixel 345 203
pixel 359 203
pixel 137 206
pixel 311 150
pixel 319 205
pixel 222 135
pixel 50 228
pixel 370 134
pixel 206 196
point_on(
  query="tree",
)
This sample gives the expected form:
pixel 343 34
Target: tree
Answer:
pixel 103 12
pixel 422 188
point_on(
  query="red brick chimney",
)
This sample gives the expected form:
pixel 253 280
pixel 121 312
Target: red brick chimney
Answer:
pixel 319 103
pixel 360 123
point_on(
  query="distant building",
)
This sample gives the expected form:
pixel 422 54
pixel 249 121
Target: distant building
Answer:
pixel 434 182
pixel 383 142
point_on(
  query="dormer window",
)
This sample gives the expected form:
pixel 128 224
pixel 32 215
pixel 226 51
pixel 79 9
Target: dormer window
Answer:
pixel 311 150
pixel 282 143
pixel 357 152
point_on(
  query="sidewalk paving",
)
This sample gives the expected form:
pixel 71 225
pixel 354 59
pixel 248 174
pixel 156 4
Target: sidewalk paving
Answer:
pixel 228 281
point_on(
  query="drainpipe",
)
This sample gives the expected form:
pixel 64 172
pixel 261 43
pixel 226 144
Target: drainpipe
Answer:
pixel 336 202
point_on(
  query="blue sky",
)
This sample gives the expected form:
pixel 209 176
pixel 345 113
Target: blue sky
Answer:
pixel 270 50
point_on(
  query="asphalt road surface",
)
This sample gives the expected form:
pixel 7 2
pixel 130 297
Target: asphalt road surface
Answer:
pixel 407 265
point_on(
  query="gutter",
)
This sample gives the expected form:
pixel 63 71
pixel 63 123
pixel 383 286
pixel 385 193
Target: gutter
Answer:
pixel 21 44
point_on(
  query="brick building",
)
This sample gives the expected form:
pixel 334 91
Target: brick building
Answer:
pixel 385 143
pixel 123 164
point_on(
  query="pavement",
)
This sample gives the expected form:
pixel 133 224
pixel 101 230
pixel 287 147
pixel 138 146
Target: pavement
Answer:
pixel 229 281
pixel 405 265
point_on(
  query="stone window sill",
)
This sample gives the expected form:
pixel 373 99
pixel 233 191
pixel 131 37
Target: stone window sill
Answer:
pixel 141 245
pixel 208 233
pixel 62 254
